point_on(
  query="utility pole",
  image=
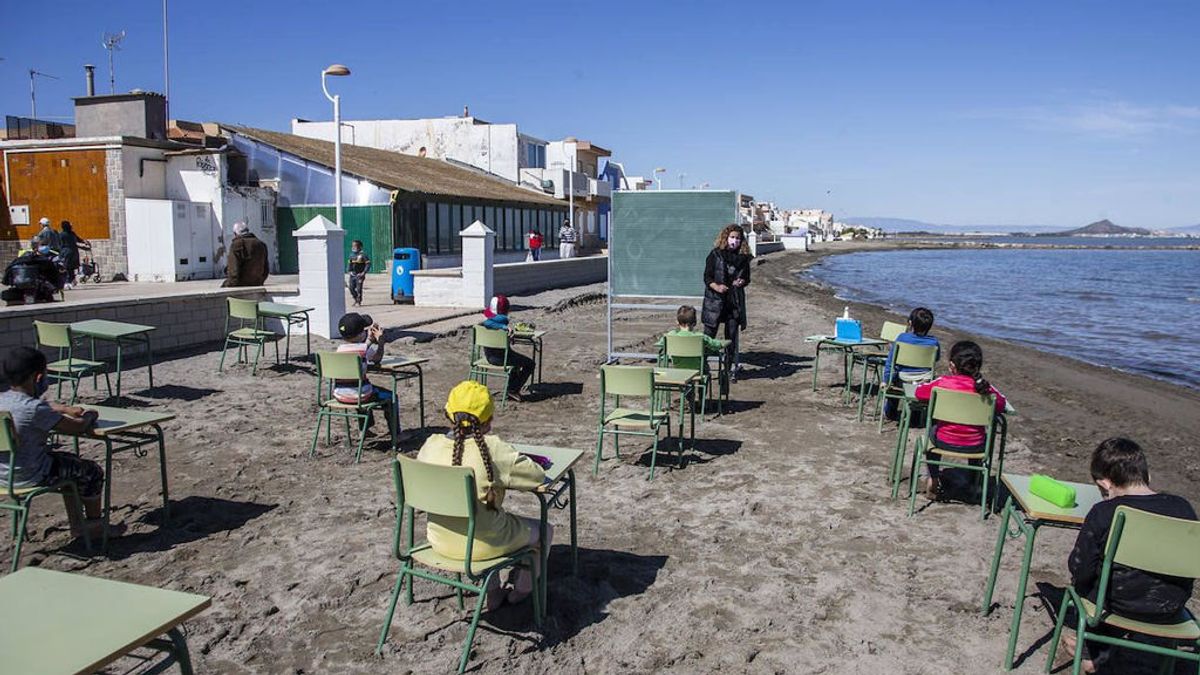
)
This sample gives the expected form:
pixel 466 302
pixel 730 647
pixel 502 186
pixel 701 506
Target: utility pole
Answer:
pixel 33 90
pixel 166 64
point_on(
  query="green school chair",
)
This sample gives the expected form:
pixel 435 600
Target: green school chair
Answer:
pixel 481 369
pixel 872 363
pixel 243 311
pixel 922 357
pixel 68 368
pixel 20 498
pixel 687 351
pixel 1152 543
pixel 626 381
pixel 955 407
pixel 346 367
pixel 446 492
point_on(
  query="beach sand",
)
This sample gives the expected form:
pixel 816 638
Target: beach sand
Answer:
pixel 776 549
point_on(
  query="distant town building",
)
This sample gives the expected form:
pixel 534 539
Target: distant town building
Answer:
pixel 391 199
pixel 560 168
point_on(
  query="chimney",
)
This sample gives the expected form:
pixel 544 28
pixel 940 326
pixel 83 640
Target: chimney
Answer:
pixel 91 79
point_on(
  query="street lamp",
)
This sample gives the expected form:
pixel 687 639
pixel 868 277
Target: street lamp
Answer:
pixel 336 70
pixel 656 178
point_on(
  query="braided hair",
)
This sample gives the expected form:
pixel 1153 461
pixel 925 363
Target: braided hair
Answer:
pixel 967 358
pixel 465 423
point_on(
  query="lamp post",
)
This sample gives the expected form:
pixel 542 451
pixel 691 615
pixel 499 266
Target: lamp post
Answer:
pixel 336 70
pixel 656 178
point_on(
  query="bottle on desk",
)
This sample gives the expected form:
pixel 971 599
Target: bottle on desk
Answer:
pixel 848 329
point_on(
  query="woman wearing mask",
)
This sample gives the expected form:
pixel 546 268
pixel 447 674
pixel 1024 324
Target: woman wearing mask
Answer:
pixel 726 274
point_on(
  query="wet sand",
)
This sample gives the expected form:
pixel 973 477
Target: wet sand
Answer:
pixel 775 549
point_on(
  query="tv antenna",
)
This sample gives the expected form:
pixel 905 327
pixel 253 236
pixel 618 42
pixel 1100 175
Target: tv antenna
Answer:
pixel 33 90
pixel 112 42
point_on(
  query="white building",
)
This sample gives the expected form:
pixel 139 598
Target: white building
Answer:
pixel 499 149
pixel 563 168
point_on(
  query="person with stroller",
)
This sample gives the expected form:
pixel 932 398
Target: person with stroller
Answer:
pixel 70 246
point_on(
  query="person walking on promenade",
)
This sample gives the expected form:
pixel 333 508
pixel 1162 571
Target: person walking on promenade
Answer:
pixel 357 268
pixel 72 244
pixel 49 235
pixel 247 259
pixel 535 245
pixel 566 240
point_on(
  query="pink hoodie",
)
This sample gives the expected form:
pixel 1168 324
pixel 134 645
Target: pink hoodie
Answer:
pixel 961 435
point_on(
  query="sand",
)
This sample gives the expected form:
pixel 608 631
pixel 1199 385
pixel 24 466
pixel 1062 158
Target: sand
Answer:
pixel 775 549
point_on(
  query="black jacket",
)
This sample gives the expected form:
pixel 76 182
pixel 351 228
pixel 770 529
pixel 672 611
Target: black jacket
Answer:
pixel 1133 593
pixel 723 266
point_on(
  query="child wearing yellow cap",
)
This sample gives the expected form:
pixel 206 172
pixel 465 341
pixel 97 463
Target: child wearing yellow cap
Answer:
pixel 497 467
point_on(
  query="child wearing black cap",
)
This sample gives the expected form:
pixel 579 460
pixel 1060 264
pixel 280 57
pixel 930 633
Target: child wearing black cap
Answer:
pixel 363 337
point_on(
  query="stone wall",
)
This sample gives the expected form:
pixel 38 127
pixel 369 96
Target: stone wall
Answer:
pixel 437 288
pixel 111 253
pixel 443 287
pixel 181 321
pixel 534 277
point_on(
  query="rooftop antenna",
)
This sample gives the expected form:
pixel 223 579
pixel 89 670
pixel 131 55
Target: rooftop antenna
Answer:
pixel 33 90
pixel 112 42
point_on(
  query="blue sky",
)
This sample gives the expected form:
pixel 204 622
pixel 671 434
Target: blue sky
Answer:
pixel 952 112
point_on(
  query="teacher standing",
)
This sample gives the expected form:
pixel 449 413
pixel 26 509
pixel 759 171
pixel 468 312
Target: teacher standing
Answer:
pixel 726 275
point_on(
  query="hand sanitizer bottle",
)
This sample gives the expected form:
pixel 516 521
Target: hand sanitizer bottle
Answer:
pixel 848 329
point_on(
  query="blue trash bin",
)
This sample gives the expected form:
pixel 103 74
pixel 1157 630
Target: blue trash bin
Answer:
pixel 404 261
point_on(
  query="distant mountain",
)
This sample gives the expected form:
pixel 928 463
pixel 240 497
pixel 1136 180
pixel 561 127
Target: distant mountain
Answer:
pixel 1103 227
pixel 1178 231
pixel 888 224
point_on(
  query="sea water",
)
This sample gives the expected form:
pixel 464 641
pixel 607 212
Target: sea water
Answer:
pixel 1134 310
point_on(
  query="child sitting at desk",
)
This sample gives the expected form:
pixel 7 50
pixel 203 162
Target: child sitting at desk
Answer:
pixel 365 338
pixel 966 363
pixel 920 321
pixel 496 318
pixel 497 467
pixel 31 463
pixel 1121 471
pixel 685 322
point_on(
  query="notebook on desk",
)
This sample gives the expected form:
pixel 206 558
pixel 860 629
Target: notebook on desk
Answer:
pixel 540 460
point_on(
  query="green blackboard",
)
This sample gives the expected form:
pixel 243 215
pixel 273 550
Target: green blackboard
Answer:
pixel 658 240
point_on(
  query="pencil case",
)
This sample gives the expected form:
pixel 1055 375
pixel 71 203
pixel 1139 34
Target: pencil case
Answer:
pixel 1056 492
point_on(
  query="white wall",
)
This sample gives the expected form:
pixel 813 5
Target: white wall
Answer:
pixel 151 184
pixel 491 147
pixel 202 178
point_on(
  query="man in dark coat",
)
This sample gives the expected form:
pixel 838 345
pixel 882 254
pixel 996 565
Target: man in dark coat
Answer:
pixel 247 259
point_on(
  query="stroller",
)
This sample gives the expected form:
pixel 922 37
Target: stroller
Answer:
pixel 88 269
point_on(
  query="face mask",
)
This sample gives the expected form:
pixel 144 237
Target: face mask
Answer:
pixel 44 249
pixel 734 243
pixel 41 387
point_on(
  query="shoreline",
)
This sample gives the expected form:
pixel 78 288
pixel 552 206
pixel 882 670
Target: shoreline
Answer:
pixel 1071 398
pixel 864 247
pixel 931 243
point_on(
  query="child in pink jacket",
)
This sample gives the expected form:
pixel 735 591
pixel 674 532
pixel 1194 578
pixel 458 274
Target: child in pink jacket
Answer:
pixel 966 362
